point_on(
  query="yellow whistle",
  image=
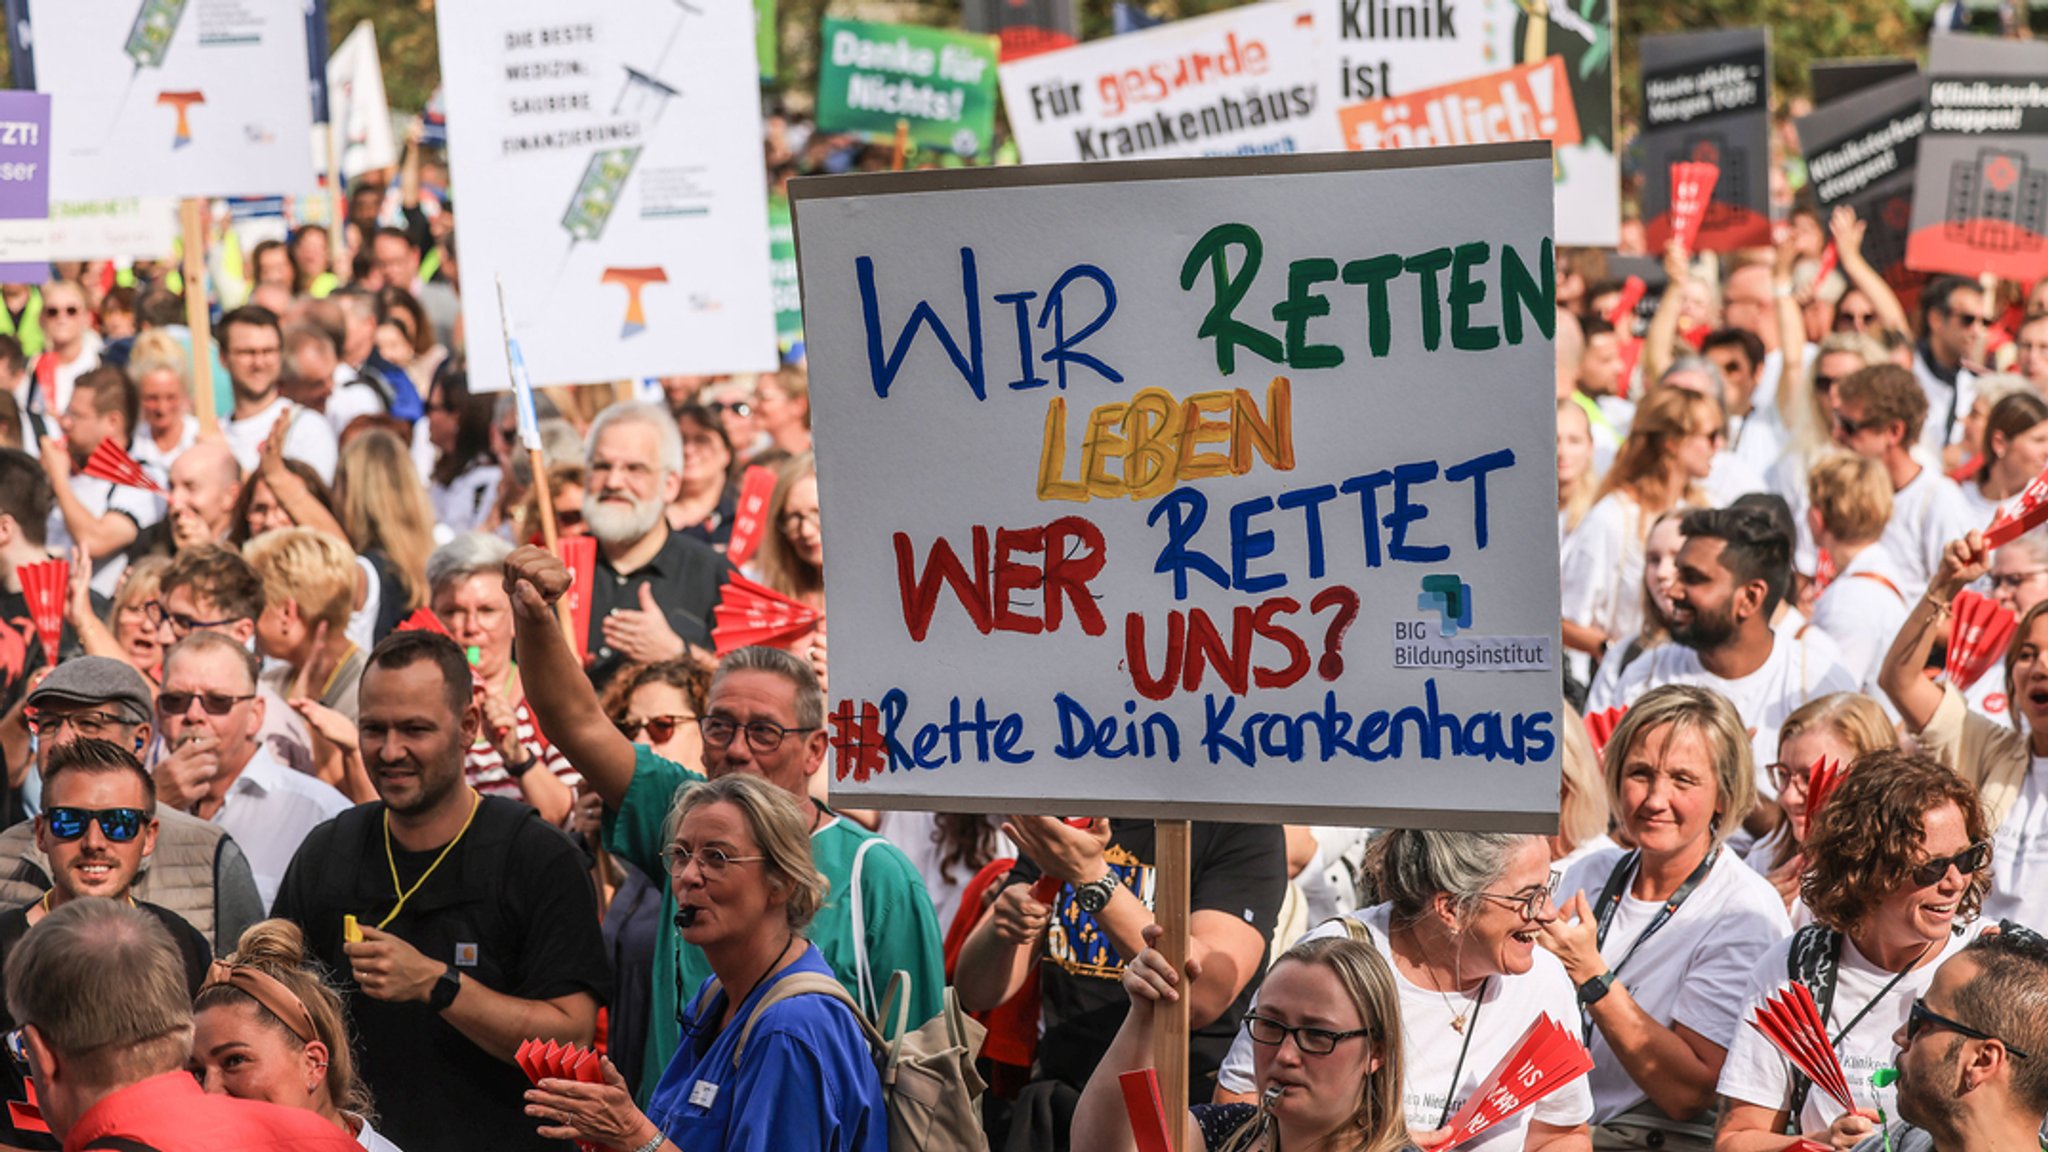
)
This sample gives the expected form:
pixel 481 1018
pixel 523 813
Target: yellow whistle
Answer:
pixel 351 932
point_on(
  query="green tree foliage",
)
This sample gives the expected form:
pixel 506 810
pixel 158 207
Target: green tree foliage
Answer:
pixel 405 42
pixel 1801 32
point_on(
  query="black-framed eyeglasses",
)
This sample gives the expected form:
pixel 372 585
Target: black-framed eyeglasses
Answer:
pixel 1312 1041
pixel 1784 776
pixel 213 703
pixel 711 861
pixel 660 729
pixel 91 725
pixel 1969 862
pixel 1531 904
pixel 1924 1017
pixel 179 622
pixel 119 825
pixel 762 735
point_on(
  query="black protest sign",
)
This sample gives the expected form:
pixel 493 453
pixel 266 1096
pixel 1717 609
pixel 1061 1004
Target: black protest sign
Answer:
pixel 1706 99
pixel 1025 27
pixel 1832 80
pixel 1980 191
pixel 1860 151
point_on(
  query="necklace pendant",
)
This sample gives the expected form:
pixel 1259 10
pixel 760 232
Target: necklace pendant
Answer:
pixel 1458 1024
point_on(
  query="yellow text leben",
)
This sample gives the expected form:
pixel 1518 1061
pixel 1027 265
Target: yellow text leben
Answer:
pixel 1146 446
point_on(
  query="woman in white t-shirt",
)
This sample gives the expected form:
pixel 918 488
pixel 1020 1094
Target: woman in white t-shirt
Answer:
pixel 1459 929
pixel 2015 437
pixel 1660 575
pixel 1577 479
pixel 1841 726
pixel 1660 941
pixel 1898 861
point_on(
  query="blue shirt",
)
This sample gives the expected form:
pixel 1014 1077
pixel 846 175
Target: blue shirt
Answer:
pixel 808 1080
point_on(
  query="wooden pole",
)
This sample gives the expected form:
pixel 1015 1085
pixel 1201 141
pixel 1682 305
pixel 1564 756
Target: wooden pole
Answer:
pixel 192 215
pixel 902 146
pixel 1172 867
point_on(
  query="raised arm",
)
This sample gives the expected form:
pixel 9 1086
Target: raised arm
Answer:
pixel 1791 320
pixel 1847 229
pixel 1661 341
pixel 568 712
pixel 1902 675
pixel 1100 1120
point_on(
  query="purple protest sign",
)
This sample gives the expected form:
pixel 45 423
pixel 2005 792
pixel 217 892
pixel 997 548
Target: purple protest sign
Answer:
pixel 24 187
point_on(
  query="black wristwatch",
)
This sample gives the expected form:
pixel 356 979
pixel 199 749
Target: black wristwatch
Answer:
pixel 445 989
pixel 515 771
pixel 1592 990
pixel 1093 897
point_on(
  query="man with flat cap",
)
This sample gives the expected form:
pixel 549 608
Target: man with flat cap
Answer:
pixel 197 870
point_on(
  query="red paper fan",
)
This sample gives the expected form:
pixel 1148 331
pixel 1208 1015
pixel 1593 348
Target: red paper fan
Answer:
pixel 1820 784
pixel 1823 571
pixel 579 555
pixel 1828 259
pixel 26 1114
pixel 1601 725
pixel 750 515
pixel 2022 515
pixel 1791 1021
pixel 1147 1111
pixel 554 1061
pixel 1978 632
pixel 1630 351
pixel 749 613
pixel 1545 1059
pixel 112 463
pixel 43 586
pixel 1692 189
pixel 1622 316
pixel 422 620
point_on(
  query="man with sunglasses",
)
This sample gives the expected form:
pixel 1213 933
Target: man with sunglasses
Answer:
pixel 765 715
pixel 197 871
pixel 215 589
pixel 1948 355
pixel 98 827
pixel 1879 412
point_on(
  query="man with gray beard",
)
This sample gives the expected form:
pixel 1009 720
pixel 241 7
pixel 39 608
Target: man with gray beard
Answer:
pixel 654 590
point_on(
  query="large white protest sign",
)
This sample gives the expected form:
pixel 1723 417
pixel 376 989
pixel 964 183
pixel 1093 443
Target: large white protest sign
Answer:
pixel 1236 83
pixel 1384 52
pixel 356 104
pixel 175 97
pixel 612 154
pixel 1216 503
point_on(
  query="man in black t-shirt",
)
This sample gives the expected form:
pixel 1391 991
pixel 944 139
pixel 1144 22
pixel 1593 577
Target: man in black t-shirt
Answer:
pixel 98 822
pixel 1093 927
pixel 490 936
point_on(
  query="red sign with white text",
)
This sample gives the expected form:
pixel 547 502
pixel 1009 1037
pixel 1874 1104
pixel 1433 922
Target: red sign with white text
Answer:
pixel 1528 103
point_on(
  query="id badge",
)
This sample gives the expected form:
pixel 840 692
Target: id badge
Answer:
pixel 703 1094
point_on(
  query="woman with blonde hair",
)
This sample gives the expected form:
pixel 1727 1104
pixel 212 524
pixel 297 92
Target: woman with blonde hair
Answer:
pixel 1841 727
pixel 1809 422
pixel 1670 450
pixel 1327 1056
pixel 385 511
pixel 1577 479
pixel 268 1026
pixel 792 556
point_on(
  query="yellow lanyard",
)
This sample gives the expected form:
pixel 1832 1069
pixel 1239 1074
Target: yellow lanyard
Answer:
pixel 391 858
pixel 336 674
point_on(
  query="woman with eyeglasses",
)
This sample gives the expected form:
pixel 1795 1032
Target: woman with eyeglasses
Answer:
pixel 792 556
pixel 1841 727
pixel 1327 1050
pixel 707 498
pixel 731 403
pixel 2002 762
pixel 268 1026
pixel 1459 930
pixel 1660 939
pixel 763 1063
pixel 1897 863
pixel 658 705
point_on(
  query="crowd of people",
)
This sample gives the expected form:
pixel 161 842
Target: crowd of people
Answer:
pixel 318 817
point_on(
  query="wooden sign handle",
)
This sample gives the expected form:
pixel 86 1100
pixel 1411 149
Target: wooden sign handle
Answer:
pixel 1172 866
pixel 192 222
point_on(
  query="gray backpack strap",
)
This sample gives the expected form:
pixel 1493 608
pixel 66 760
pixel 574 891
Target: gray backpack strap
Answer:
pixel 804 984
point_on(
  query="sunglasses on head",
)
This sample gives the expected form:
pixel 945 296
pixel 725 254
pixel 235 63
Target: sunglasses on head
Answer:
pixel 214 703
pixel 660 729
pixel 1969 862
pixel 118 824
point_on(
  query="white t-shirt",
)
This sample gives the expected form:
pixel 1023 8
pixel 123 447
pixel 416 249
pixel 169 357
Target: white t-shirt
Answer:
pixel 1601 568
pixel 157 461
pixel 2019 855
pixel 1787 478
pixel 1926 514
pixel 350 401
pixel 99 497
pixel 1506 1008
pixel 310 440
pixel 1792 675
pixel 1936 432
pixel 1756 1073
pixel 1732 476
pixel 1862 609
pixel 1693 971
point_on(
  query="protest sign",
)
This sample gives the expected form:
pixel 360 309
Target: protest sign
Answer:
pixel 1391 54
pixel 1831 80
pixel 1529 103
pixel 1024 27
pixel 789 309
pixel 24 187
pixel 764 39
pixel 942 84
pixel 627 211
pixel 1224 506
pixel 1237 83
pixel 1980 190
pixel 131 227
pixel 361 117
pixel 1861 151
pixel 1707 100
pixel 169 98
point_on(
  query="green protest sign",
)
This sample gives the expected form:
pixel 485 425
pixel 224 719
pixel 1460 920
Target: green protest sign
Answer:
pixel 789 312
pixel 764 39
pixel 942 84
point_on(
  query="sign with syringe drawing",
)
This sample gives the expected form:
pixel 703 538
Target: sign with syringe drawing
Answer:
pixel 612 153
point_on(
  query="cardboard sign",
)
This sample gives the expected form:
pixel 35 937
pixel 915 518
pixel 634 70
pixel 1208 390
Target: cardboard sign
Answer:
pixel 1531 103
pixel 1381 50
pixel 175 97
pixel 1222 509
pixel 24 187
pixel 1237 83
pixel 627 211
pixel 1862 151
pixel 941 84
pixel 1980 191
pixel 1706 99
